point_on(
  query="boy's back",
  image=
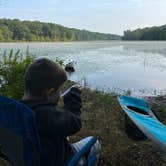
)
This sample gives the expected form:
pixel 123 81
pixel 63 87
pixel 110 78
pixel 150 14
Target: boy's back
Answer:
pixel 53 124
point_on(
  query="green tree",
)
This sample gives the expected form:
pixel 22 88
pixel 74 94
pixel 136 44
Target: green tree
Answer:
pixel 16 30
pixel 6 33
pixel 1 35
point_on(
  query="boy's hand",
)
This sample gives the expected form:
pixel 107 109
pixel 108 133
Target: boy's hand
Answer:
pixel 78 86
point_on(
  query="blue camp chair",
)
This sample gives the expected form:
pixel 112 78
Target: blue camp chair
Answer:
pixel 18 133
pixel 19 138
pixel 91 160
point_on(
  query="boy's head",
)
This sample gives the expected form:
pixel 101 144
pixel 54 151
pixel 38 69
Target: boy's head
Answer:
pixel 42 80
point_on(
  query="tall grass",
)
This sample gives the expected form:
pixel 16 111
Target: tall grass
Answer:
pixel 12 68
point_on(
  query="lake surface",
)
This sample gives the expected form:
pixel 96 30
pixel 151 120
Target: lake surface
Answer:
pixel 109 65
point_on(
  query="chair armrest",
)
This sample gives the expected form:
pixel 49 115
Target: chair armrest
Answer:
pixel 92 160
pixel 74 161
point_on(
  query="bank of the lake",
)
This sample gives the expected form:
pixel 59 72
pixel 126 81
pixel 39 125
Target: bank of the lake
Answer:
pixel 103 117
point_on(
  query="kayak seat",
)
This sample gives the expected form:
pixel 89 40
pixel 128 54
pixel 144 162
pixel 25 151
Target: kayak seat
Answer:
pixel 138 110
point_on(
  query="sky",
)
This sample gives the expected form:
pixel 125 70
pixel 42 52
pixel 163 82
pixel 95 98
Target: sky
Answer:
pixel 108 16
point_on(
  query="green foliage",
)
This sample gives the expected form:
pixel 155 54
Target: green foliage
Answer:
pixel 16 30
pixel 12 69
pixel 1 35
pixel 103 117
pixel 5 33
pixel 153 33
pixel 60 61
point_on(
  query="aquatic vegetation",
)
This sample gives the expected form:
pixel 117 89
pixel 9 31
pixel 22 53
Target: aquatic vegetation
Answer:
pixel 60 61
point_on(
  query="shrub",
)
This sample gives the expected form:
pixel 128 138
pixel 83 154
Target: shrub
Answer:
pixel 12 68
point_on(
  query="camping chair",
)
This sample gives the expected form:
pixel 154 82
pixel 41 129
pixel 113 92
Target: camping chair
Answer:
pixel 83 152
pixel 18 133
pixel 19 138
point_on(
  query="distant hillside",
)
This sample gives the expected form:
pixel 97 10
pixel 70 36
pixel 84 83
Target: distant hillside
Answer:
pixel 16 30
pixel 151 33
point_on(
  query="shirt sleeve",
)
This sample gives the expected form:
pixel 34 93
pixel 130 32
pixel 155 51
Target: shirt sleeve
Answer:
pixel 67 121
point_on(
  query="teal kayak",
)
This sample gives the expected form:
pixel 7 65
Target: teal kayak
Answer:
pixel 139 112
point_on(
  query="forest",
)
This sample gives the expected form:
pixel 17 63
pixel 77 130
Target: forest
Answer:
pixel 150 33
pixel 16 30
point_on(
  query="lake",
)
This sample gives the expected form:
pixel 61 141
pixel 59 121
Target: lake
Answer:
pixel 118 66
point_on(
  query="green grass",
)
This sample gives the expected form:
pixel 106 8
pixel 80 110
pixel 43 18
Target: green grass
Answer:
pixel 103 117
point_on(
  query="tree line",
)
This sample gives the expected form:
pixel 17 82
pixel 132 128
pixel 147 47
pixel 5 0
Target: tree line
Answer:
pixel 16 30
pixel 152 33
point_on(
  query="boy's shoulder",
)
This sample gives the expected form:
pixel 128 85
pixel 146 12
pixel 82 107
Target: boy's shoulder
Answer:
pixel 39 104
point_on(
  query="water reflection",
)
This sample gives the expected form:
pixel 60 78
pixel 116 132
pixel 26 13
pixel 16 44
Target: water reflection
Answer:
pixel 157 47
pixel 153 54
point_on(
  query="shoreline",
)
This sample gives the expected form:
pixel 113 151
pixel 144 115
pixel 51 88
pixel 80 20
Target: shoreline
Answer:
pixel 57 41
pixel 103 117
pixel 82 41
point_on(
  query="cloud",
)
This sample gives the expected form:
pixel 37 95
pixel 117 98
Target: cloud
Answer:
pixel 112 16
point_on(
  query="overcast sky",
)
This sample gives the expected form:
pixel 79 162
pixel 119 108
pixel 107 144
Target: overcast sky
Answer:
pixel 109 16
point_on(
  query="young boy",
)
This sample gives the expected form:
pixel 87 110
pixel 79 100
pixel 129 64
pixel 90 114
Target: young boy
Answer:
pixel 42 82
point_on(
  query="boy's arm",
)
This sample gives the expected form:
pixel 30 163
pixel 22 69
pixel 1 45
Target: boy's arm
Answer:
pixel 67 121
pixel 72 101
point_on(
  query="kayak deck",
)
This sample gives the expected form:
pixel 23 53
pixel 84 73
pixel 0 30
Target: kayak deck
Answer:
pixel 139 112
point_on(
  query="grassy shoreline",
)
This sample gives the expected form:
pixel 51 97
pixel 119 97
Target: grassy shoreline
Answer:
pixel 103 117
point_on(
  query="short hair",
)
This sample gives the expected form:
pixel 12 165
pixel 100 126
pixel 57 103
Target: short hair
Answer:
pixel 41 75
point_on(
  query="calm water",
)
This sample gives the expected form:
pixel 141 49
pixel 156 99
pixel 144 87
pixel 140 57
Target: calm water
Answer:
pixel 110 66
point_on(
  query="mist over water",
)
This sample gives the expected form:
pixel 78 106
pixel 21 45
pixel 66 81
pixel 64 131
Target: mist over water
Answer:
pixel 109 65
